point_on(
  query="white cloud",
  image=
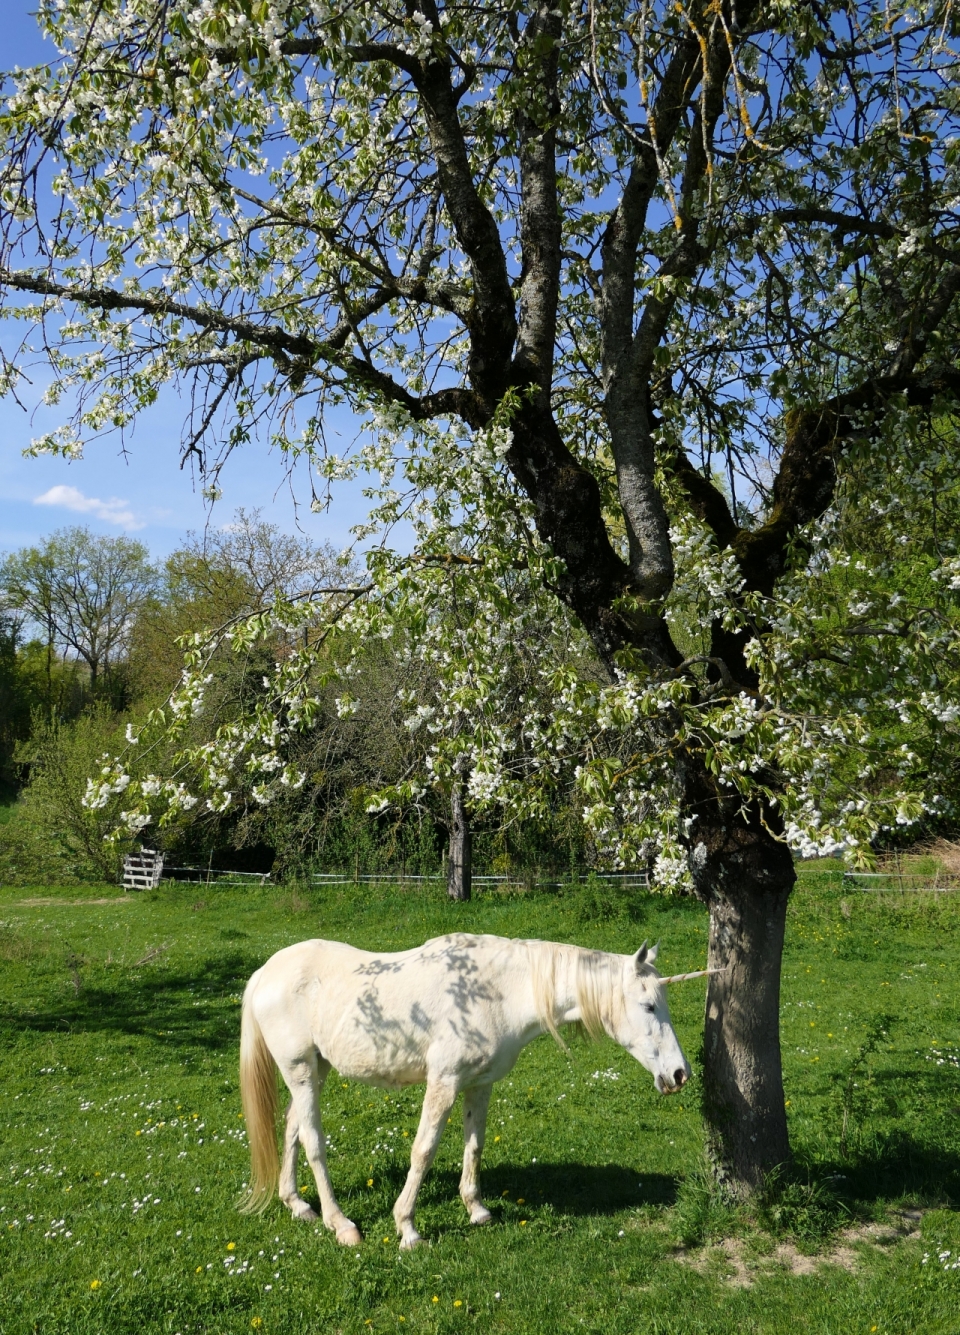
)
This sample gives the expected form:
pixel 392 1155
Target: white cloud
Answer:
pixel 113 511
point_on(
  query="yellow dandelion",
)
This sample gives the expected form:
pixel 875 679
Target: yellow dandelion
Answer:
pixel 521 1201
pixel 435 1299
pixel 457 1302
pixel 495 1139
pixel 522 1222
pixel 386 1239
pixel 369 1181
pixel 199 1270
pixel 256 1322
pixel 94 1283
pixel 231 1246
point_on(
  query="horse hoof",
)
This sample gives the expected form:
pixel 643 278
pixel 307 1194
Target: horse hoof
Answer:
pixel 349 1236
pixel 408 1244
pixel 481 1216
pixel 301 1210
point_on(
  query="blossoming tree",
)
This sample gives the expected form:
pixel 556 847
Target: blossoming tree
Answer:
pixel 637 297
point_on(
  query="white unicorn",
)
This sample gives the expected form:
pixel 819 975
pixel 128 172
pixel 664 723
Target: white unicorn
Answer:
pixel 454 1012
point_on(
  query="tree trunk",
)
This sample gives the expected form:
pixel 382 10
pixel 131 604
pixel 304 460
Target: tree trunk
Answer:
pixel 459 868
pixel 745 878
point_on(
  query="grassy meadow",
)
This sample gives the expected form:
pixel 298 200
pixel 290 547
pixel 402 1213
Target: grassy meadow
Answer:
pixel 123 1150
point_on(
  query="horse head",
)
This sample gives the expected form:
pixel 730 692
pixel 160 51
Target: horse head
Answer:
pixel 647 1032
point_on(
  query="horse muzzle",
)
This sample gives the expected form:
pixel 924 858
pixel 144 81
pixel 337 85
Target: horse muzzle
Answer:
pixel 672 1084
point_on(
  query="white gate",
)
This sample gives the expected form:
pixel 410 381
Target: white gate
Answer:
pixel 141 871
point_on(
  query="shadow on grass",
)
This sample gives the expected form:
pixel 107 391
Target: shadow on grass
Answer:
pixel 814 1201
pixel 185 1008
pixel 574 1189
pixel 894 1166
pixel 580 1189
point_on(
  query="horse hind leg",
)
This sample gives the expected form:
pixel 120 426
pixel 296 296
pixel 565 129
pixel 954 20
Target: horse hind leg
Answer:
pixel 475 1105
pixel 305 1079
pixel 289 1194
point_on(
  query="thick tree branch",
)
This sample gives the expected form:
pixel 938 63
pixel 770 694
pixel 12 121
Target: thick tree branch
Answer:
pixel 701 58
pixel 707 502
pixel 806 480
pixel 492 316
pixel 540 232
pixel 295 354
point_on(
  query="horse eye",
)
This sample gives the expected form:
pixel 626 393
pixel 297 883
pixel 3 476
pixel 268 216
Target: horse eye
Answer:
pixel 649 1008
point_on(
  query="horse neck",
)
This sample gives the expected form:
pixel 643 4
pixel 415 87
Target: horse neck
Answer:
pixel 566 977
pixel 565 1005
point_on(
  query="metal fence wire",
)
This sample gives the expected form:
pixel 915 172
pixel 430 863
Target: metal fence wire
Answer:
pixel 145 870
pixel 639 880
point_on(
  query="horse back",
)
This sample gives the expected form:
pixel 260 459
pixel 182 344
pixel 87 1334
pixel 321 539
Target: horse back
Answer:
pixel 458 1004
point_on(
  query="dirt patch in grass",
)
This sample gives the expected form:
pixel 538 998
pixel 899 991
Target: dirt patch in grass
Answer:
pixel 739 1268
pixel 70 903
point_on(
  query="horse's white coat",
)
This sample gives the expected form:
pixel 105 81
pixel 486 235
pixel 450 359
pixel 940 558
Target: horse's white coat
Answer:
pixel 455 1012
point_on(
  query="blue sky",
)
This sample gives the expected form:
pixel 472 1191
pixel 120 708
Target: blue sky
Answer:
pixel 141 491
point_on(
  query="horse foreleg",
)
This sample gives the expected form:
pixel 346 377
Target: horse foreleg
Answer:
pixel 305 1080
pixel 475 1104
pixel 437 1103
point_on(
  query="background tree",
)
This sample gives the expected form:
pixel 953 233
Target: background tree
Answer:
pixel 535 241
pixel 14 702
pixel 481 667
pixel 84 592
pixel 212 579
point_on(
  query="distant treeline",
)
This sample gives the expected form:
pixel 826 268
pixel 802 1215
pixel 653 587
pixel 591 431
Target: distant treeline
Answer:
pixel 89 630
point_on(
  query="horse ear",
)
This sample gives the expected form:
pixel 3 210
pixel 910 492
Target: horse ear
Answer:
pixel 644 956
pixel 652 953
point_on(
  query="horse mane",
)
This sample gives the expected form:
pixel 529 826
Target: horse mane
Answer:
pixel 598 986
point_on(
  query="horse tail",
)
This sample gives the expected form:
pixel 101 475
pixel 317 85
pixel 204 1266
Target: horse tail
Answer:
pixel 258 1092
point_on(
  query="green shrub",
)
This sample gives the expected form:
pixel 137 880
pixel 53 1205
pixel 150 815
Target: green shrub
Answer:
pixel 51 838
pixel 597 900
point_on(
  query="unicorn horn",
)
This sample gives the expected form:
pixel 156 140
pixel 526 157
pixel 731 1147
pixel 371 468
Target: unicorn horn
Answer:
pixel 682 977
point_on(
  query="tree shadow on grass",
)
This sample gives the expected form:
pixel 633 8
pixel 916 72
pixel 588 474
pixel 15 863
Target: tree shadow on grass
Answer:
pixel 184 1008
pixel 574 1189
pixel 894 1166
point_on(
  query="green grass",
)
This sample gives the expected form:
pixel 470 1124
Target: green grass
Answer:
pixel 123 1151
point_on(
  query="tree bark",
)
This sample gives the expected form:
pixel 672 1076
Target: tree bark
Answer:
pixel 745 876
pixel 459 868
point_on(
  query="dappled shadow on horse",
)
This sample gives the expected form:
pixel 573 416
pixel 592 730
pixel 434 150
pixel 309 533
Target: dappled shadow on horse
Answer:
pixel 456 1013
